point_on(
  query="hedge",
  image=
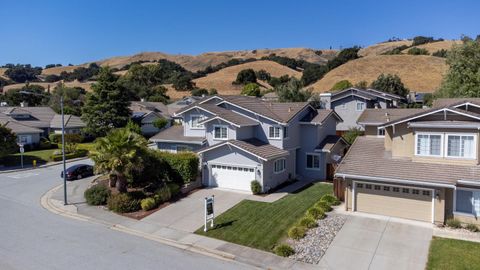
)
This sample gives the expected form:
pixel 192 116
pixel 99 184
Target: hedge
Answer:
pixel 184 166
pixel 78 153
pixel 69 138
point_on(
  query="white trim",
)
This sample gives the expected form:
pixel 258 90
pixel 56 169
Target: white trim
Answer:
pixel 219 126
pixel 191 108
pixel 393 180
pixel 363 106
pixel 230 144
pixel 218 118
pixel 284 165
pixel 467 104
pixel 191 121
pixel 469 182
pixel 378 132
pixel 455 212
pixel 306 161
pixel 432 190
pixel 429 113
pixel 178 141
pixel 280 132
pixel 429 134
pixel 474 135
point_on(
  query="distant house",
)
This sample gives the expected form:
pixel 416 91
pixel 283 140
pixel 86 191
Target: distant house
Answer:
pixel 350 103
pixel 271 96
pixel 240 139
pixel 180 104
pixel 372 120
pixel 146 113
pixel 32 123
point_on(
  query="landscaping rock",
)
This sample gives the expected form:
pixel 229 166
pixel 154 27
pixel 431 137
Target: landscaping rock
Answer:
pixel 311 248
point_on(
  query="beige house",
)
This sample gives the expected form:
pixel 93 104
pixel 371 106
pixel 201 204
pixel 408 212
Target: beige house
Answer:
pixel 425 167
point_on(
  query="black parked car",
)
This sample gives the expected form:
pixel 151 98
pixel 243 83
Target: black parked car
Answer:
pixel 78 171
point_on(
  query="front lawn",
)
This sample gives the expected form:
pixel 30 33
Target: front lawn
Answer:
pixel 453 254
pixel 262 225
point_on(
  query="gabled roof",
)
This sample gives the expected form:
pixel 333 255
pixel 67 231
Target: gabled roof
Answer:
pixel 378 117
pixel 175 134
pixel 433 111
pixel 71 121
pixel 320 116
pixel 367 160
pixel 195 104
pixel 329 143
pixel 229 116
pixel 18 128
pixel 453 102
pixel 369 94
pixel 139 107
pixel 255 147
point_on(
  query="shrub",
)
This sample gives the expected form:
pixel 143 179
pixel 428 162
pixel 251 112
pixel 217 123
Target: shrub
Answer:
pixel 296 232
pixel 123 203
pixel 183 166
pixel 308 222
pixel 341 85
pixel 440 53
pixel 454 223
pixel 97 195
pixel 418 51
pixel 160 123
pixel 472 227
pixel 57 156
pixel 315 213
pixel 69 138
pixel 325 206
pixel 251 89
pixel 255 187
pixel 246 76
pixel 330 199
pixel 284 250
pixel 174 189
pixel 163 194
pixel 148 204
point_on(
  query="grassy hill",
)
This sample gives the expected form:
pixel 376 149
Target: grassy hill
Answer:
pixel 419 73
pixel 436 46
pixel 84 85
pixel 380 48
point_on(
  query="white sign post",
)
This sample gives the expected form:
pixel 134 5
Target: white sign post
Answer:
pixel 22 150
pixel 209 213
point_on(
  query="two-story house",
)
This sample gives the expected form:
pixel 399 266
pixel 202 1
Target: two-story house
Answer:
pixel 145 114
pixel 372 120
pixel 241 139
pixel 426 167
pixel 350 103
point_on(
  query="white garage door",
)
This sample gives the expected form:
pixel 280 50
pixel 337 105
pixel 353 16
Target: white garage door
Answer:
pixel 232 177
pixel 396 201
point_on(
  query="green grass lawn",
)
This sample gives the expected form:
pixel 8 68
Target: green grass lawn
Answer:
pixel 453 254
pixel 262 225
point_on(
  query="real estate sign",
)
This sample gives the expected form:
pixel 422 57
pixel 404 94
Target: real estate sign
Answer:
pixel 209 213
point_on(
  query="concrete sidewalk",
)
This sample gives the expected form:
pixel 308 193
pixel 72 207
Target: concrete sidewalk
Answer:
pixel 78 209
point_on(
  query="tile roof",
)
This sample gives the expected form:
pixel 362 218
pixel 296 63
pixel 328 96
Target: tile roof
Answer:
pixel 71 121
pixel 256 147
pixel 146 107
pixel 365 93
pixel 320 116
pixel 329 142
pixel 447 102
pixel 40 116
pixel 432 111
pixel 228 115
pixel 381 116
pixel 367 158
pixel 18 128
pixel 175 134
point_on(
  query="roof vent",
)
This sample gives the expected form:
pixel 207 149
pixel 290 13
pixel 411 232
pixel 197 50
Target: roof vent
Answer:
pixel 289 109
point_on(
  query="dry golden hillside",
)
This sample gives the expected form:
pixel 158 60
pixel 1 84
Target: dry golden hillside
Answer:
pixel 202 61
pixel 436 46
pixel 222 79
pixel 84 85
pixel 380 48
pixel 419 73
pixel 2 73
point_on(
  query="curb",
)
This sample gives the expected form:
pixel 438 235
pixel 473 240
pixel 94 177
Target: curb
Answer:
pixel 46 203
pixel 49 164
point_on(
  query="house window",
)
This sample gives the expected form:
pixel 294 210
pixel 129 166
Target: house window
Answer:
pixel 467 202
pixel 429 145
pixel 405 190
pixel 359 185
pixel 462 146
pixel 285 132
pixel 279 165
pixel 426 193
pixel 195 120
pixel 313 161
pixel 396 189
pixel 367 186
pixel 385 188
pixel 381 132
pixel 274 132
pixel 415 191
pixel 23 139
pixel 360 106
pixel 377 187
pixel 220 132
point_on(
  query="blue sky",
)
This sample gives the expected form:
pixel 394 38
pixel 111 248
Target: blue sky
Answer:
pixel 78 31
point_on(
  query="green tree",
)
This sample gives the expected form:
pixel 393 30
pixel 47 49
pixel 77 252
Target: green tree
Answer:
pixel 440 53
pixel 183 83
pixel 263 75
pixel 8 141
pixel 160 123
pixel 390 84
pixel 212 92
pixel 293 91
pixel 343 57
pixel 107 106
pixel 341 85
pixel 119 153
pixel 133 127
pixel 198 92
pixel 23 73
pixel 313 73
pixel 418 51
pixel 352 134
pixel 36 95
pixel 157 93
pixel 251 89
pixel 246 76
pixel 73 99
pixel 361 85
pixel 463 76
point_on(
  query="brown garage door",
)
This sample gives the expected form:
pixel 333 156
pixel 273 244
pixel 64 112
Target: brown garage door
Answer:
pixel 396 201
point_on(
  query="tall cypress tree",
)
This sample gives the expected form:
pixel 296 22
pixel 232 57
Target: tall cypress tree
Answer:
pixel 107 106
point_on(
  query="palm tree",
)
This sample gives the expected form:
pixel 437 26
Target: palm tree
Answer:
pixel 119 153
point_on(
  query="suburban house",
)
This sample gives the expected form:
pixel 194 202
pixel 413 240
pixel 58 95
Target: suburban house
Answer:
pixel 32 123
pixel 240 139
pixel 180 104
pixel 425 168
pixel 146 113
pixel 372 120
pixel 350 103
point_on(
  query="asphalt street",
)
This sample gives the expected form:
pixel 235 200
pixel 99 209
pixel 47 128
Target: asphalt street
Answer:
pixel 34 238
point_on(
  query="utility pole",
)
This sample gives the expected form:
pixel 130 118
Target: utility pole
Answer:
pixel 63 155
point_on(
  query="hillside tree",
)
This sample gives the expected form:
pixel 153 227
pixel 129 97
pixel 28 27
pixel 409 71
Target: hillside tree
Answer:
pixel 251 89
pixel 341 85
pixel 246 76
pixel 36 96
pixel 390 84
pixel 23 73
pixel 293 91
pixel 106 107
pixel 73 99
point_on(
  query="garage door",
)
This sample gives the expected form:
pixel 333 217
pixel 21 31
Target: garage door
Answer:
pixel 232 177
pixel 396 201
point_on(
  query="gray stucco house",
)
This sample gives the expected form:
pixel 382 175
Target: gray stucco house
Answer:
pixel 350 103
pixel 146 113
pixel 240 139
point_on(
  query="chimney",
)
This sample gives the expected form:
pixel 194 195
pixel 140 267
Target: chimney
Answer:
pixel 325 100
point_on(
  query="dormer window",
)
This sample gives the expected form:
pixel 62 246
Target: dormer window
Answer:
pixel 274 132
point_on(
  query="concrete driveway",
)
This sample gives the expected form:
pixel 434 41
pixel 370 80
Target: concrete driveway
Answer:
pixel 379 243
pixel 188 214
